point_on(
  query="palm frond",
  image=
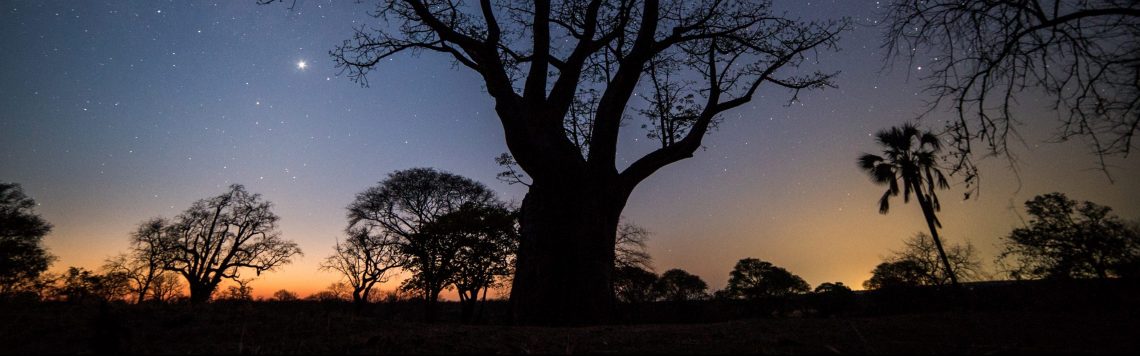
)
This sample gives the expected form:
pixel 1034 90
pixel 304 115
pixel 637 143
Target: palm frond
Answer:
pixel 868 161
pixel 885 202
pixel 883 173
pixel 929 139
pixel 943 183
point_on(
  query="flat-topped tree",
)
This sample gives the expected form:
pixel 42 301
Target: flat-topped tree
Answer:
pixel 562 76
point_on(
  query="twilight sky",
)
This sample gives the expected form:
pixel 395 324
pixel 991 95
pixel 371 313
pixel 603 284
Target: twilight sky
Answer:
pixel 114 112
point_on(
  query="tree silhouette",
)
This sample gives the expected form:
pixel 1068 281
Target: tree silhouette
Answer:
pixel 634 284
pixel 829 287
pixel 216 238
pixel 1067 239
pixel 562 76
pixel 284 295
pixel 240 291
pixel 963 258
pixel 898 274
pixel 146 259
pixel 407 205
pixel 752 278
pixel 365 259
pixel 79 285
pixel 22 255
pixel 629 247
pixel 676 285
pixel 1081 53
pixel 909 155
pixel 166 286
pixel 832 298
pixel 487 238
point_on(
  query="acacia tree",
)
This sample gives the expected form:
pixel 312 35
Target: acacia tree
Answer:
pixel 562 76
pixel 752 278
pixel 896 274
pixel 488 240
pixel 407 205
pixel 633 284
pixel 981 55
pixel 677 285
pixel 365 259
pixel 216 238
pixel 22 255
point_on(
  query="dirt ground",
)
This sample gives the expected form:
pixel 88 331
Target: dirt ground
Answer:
pixel 306 328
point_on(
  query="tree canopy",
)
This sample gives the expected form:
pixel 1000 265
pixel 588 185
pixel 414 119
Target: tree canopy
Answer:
pixel 981 56
pixel 752 278
pixel 677 285
pixel 1069 239
pixel 438 221
pixel 22 255
pixel 219 237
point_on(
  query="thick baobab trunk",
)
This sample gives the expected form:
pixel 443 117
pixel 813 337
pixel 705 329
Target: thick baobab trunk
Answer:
pixel 565 261
pixel 201 292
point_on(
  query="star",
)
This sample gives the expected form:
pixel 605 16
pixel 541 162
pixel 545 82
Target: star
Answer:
pixel 301 65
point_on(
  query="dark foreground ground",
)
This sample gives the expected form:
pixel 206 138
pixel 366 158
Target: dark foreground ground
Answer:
pixel 1022 324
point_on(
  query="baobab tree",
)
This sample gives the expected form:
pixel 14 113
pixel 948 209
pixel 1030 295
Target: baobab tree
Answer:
pixel 563 77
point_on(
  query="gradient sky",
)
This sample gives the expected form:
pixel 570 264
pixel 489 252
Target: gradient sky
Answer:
pixel 114 112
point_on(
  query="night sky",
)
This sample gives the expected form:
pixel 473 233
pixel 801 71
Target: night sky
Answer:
pixel 114 112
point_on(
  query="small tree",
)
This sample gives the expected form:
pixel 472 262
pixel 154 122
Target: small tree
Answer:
pixel 147 256
pixel 240 291
pixel 285 295
pixel 406 206
pixel 963 259
pixel 676 285
pixel 487 238
pixel 79 285
pixel 337 291
pixel 166 286
pixel 216 238
pixel 752 278
pixel 364 260
pixel 629 248
pixel 898 274
pixel 833 298
pixel 22 255
pixel 1067 239
pixel 829 287
pixel 634 285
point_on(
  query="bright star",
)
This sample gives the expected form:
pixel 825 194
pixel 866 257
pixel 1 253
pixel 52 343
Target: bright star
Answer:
pixel 301 65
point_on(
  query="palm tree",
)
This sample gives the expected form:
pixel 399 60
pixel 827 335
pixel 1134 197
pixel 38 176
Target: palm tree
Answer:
pixel 909 156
